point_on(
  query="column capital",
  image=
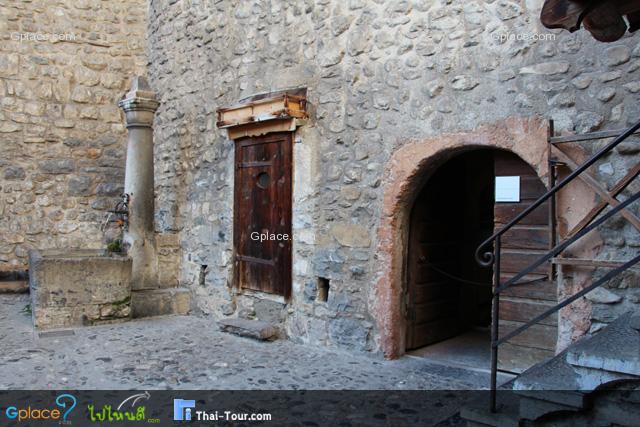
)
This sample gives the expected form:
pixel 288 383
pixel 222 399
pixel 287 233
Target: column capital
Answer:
pixel 139 103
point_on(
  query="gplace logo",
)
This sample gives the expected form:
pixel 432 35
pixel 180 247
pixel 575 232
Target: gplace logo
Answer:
pixel 182 409
pixel 65 401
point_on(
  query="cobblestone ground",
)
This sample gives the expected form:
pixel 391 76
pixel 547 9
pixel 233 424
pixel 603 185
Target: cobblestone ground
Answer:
pixel 190 353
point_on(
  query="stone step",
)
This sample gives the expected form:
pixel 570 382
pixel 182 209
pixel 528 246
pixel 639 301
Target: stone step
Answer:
pixel 558 380
pixel 549 387
pixel 256 329
pixel 160 302
pixel 14 287
pixel 565 383
pixel 614 352
pixel 537 404
pixel 477 413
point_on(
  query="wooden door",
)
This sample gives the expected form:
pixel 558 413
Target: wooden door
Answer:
pixel 432 298
pixel 263 189
pixel 521 246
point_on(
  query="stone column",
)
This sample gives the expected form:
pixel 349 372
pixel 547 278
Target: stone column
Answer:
pixel 139 106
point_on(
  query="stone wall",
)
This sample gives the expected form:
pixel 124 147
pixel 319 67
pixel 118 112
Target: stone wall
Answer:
pixel 63 67
pixel 380 74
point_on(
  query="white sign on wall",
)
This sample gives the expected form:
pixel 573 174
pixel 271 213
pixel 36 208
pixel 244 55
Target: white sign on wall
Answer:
pixel 507 188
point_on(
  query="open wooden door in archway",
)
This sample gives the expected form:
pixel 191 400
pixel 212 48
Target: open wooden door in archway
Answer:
pixel 447 293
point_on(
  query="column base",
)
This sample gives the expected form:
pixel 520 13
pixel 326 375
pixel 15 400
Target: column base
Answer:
pixel 160 302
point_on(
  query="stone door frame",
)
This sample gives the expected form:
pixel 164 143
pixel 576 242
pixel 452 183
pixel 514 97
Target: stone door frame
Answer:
pixel 406 171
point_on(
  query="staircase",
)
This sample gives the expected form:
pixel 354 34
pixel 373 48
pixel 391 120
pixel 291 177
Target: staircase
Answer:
pixel 566 388
pixel 570 382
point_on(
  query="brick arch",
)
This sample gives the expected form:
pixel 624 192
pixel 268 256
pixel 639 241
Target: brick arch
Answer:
pixel 405 173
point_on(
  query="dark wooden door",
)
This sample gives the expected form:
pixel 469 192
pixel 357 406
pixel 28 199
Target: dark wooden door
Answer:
pixel 263 207
pixel 432 298
pixel 448 292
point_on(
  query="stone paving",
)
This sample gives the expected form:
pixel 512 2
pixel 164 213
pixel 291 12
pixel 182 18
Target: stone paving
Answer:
pixel 189 352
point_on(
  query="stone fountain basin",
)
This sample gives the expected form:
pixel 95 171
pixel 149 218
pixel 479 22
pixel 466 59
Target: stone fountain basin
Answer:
pixel 71 288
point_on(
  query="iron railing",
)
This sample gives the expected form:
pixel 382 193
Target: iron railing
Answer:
pixel 487 257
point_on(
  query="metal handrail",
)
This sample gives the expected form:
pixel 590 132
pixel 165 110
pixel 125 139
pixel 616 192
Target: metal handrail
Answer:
pixel 562 246
pixel 489 258
pixel 556 251
pixel 610 275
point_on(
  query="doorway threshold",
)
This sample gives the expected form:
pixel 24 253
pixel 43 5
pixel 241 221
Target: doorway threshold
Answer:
pixel 470 350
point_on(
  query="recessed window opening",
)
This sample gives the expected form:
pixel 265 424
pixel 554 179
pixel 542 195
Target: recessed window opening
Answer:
pixel 322 289
pixel 203 274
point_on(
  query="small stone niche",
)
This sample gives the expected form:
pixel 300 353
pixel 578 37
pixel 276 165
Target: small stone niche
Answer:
pixel 79 288
pixel 322 289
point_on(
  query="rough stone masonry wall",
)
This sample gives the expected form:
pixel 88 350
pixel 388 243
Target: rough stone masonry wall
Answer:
pixel 379 74
pixel 62 137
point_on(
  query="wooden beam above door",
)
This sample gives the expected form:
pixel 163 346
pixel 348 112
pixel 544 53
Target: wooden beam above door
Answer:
pixel 278 107
pixel 279 112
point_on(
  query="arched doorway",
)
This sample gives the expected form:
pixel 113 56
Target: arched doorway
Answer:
pixel 405 174
pixel 447 294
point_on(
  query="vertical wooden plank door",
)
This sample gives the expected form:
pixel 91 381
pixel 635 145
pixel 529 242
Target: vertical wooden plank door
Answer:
pixel 263 207
pixel 521 246
pixel 433 298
